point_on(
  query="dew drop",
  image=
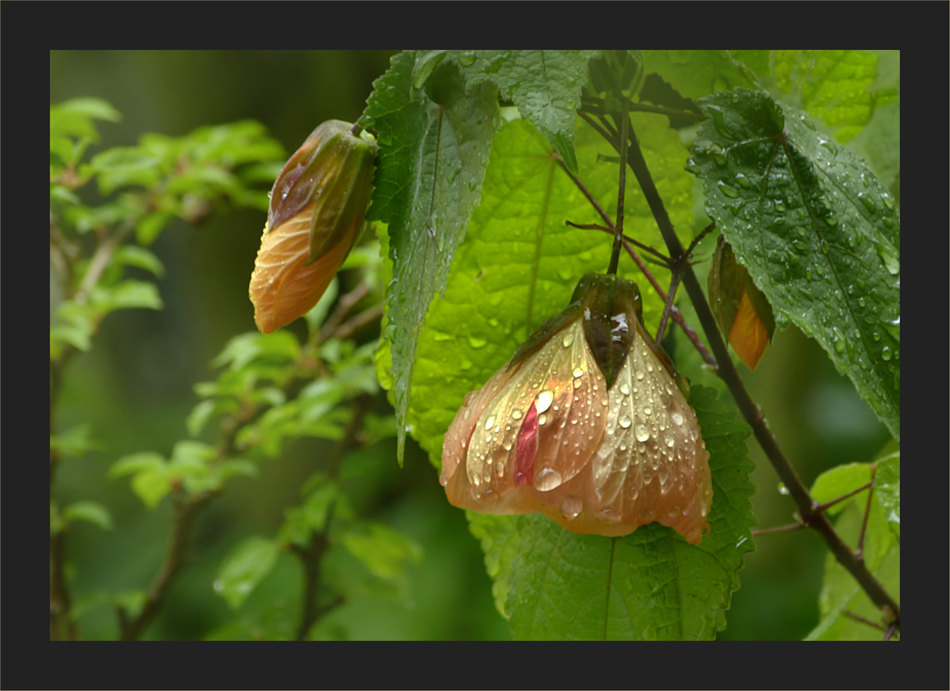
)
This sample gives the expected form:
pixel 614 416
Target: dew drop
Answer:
pixel 625 389
pixel 578 372
pixel 647 410
pixel 542 419
pixel 545 398
pixel 886 353
pixel 547 479
pixel 646 516
pixel 571 508
pixel 677 419
pixel 624 421
pixel 489 422
pixel 642 433
pixel 516 414
pixel 578 383
pixel 674 511
pixel 568 339
pixel 868 202
pixel 610 516
pixel 668 438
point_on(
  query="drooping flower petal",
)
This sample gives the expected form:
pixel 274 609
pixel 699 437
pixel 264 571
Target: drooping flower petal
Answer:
pixel 547 434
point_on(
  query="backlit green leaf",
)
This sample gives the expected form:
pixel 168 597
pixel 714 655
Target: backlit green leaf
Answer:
pixel 246 566
pixel 818 232
pixel 887 487
pixel 695 73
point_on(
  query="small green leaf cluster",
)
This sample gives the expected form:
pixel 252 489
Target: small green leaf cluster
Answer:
pixel 141 190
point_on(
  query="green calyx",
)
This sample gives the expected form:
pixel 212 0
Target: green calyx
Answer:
pixel 333 171
pixel 611 309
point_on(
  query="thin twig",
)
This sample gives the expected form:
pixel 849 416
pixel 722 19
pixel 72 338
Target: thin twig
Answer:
pixel 668 305
pixel 867 512
pixel 827 505
pixel 861 619
pixel 780 529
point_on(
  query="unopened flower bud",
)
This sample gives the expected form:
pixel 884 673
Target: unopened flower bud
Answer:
pixel 317 208
pixel 586 424
pixel 741 310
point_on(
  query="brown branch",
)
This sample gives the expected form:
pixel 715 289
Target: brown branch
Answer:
pixel 186 510
pixel 779 529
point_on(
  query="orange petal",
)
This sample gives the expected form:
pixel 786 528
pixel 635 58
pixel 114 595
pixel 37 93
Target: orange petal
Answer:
pixel 283 287
pixel 748 335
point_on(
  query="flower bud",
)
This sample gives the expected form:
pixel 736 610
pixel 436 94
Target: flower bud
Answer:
pixel 317 207
pixel 741 310
pixel 585 424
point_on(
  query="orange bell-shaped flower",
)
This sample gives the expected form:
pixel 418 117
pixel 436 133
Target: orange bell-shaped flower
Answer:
pixel 316 213
pixel 585 424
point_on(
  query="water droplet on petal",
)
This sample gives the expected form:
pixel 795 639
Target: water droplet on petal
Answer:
pixel 545 398
pixel 642 433
pixel 646 516
pixel 624 421
pixel 571 507
pixel 677 418
pixel 489 422
pixel 547 479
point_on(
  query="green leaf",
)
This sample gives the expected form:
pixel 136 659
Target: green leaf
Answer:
pixel 837 482
pixel 545 85
pixel 833 85
pixel 652 584
pixel 319 312
pixel 151 480
pixel 74 118
pixel 520 262
pixel 90 511
pixel 133 255
pixel 431 163
pixel 244 568
pixel 381 549
pixel 301 521
pixel 817 231
pixel 75 441
pixel 501 543
pixel 129 294
pixel 841 592
pixel 887 488
pixel 695 73
pixel 279 347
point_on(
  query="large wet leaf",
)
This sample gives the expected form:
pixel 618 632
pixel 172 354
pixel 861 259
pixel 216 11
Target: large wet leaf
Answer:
pixel 434 148
pixel 520 262
pixel 652 584
pixel 545 85
pixel 818 232
pixel 695 73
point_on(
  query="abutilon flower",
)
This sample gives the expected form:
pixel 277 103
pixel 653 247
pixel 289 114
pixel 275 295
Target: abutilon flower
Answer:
pixel 586 424
pixel 741 310
pixel 317 207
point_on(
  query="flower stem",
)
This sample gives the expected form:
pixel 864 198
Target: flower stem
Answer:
pixel 618 229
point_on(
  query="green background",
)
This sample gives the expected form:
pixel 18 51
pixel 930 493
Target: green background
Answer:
pixel 135 388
